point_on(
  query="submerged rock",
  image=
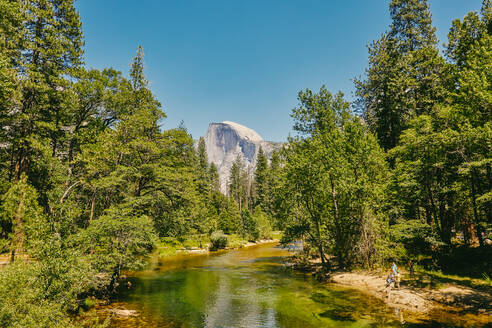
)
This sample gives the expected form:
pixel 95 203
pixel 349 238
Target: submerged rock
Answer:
pixel 123 312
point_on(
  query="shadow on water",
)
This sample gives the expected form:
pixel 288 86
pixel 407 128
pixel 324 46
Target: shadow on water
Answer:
pixel 338 315
pixel 249 288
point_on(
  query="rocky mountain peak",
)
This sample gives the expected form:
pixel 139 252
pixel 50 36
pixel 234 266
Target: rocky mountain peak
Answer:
pixel 226 140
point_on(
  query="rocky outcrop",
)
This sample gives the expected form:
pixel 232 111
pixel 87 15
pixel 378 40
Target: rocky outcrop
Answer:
pixel 225 141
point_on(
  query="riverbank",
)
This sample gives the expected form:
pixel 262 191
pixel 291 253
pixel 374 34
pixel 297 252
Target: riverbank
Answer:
pixel 196 245
pixel 183 289
pixel 416 294
pixel 422 294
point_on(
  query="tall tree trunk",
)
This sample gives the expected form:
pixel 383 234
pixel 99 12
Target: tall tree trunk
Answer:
pixel 93 205
pixel 338 237
pixel 475 210
pixel 320 244
pixel 446 223
pixel 434 210
pixel 18 236
pixel 488 206
pixel 428 215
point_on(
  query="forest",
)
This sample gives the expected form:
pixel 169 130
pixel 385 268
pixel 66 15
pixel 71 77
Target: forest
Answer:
pixel 90 182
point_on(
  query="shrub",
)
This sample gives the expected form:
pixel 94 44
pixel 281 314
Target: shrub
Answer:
pixel 263 224
pixel 416 236
pixel 218 240
pixel 4 245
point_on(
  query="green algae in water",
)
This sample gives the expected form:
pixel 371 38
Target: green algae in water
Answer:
pixel 249 288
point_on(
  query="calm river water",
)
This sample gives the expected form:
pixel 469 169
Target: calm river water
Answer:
pixel 252 288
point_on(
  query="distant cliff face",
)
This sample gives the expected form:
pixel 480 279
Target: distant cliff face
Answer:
pixel 225 141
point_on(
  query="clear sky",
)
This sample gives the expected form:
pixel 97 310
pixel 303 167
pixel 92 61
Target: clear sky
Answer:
pixel 242 60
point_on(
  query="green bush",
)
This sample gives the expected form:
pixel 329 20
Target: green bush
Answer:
pixel 88 303
pixel 218 240
pixel 414 237
pixel 24 302
pixel 4 245
pixel 263 224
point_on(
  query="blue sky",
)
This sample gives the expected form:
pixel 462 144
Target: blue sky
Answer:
pixel 243 61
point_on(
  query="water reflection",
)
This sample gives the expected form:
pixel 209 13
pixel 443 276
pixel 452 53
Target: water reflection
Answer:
pixel 247 288
pixel 242 299
pixel 399 315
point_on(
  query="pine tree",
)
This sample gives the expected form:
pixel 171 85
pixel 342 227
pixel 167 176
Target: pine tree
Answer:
pixel 377 98
pixel 49 53
pixel 238 187
pixel 279 204
pixel 213 176
pixel 406 75
pixel 261 182
pixel 202 167
pixel 139 95
pixel 442 163
pixel 11 32
pixel 412 25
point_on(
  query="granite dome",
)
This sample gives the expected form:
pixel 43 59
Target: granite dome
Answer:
pixel 227 140
pixel 244 132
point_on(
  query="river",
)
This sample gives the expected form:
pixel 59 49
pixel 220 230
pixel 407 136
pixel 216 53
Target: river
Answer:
pixel 249 287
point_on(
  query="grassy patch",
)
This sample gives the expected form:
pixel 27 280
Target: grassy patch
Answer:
pixel 460 280
pixel 236 241
pixel 170 246
pixel 277 235
pixel 437 279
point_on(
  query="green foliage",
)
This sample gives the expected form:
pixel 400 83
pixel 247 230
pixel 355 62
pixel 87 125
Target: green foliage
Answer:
pixel 115 242
pixel 336 173
pixel 227 212
pixel 412 24
pixel 21 212
pixel 413 238
pixel 88 177
pixel 406 76
pixel 256 225
pixel 239 184
pixel 434 118
pixel 203 168
pixel 280 205
pixel 261 180
pixel 213 176
pixel 249 226
pixel 218 240
pixel 22 303
pixel 89 180
pixel 263 224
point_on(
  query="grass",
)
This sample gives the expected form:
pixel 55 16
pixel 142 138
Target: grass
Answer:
pixel 437 279
pixel 459 280
pixel 277 235
pixel 461 266
pixel 170 246
pixel 236 241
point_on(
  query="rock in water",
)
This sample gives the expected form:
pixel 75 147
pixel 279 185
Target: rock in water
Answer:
pixel 225 141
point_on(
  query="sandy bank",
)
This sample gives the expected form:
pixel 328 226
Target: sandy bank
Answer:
pixel 421 300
